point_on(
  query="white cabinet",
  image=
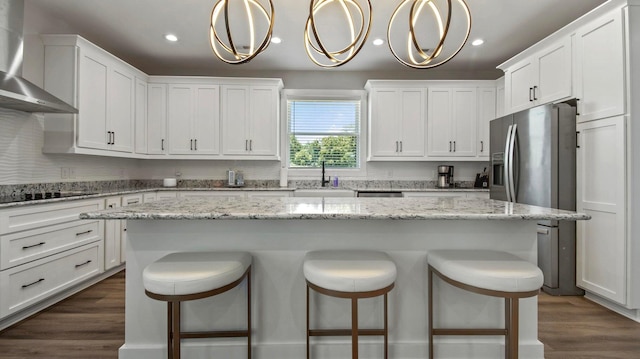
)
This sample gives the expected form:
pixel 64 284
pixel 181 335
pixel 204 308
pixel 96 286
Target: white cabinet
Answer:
pixel 396 123
pixel 250 121
pixel 128 200
pixel 45 249
pixel 101 86
pixel 194 119
pixel 451 122
pixel 112 235
pixel 541 78
pixel 156 119
pixel 601 192
pixel 600 68
pixel 141 120
pixel 486 113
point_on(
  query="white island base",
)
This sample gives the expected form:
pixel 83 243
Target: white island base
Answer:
pixel 278 289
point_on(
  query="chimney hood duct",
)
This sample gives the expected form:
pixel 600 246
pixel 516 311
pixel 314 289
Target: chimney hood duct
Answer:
pixel 16 93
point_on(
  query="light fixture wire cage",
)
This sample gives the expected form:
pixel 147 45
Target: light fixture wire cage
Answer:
pixel 225 48
pixel 417 56
pixel 316 48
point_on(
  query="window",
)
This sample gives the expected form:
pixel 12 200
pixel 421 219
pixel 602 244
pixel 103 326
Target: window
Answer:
pixel 324 129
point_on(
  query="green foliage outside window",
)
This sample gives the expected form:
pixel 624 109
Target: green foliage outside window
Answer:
pixel 335 151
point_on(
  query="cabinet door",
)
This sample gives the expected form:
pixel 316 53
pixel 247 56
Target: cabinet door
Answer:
pixel 486 113
pixel 464 117
pixel 92 119
pixel 599 80
pixel 519 82
pixel 601 186
pixel 554 73
pixel 157 119
pixel 383 124
pixel 439 128
pixel 140 140
pixel 206 120
pixel 112 232
pixel 263 114
pixel 235 119
pixel 121 110
pixel 180 114
pixel 127 201
pixel 412 123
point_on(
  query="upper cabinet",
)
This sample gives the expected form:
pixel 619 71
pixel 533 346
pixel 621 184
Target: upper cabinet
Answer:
pixel 487 111
pixel 599 68
pixel 396 123
pixel 250 120
pixel 156 119
pixel 540 78
pixel 194 119
pixel 452 117
pixel 104 90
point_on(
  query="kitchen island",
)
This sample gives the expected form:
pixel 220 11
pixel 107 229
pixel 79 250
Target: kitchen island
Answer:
pixel 279 231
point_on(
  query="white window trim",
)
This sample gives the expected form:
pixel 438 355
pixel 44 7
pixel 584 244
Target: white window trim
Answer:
pixel 314 173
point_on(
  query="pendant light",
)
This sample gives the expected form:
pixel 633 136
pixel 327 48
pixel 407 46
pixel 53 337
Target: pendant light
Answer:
pixel 227 47
pixel 424 57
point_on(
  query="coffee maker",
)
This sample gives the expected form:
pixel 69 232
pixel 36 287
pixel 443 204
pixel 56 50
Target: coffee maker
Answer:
pixel 445 176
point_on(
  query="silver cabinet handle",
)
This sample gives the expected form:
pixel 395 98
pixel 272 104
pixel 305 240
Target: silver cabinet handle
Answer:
pixel 449 146
pixel 400 146
pixel 481 146
pixel 397 147
pixel 195 144
pixel 113 137
pixel 191 146
pixel 83 264
pixel 108 137
pixel 250 145
pixel 34 283
pixel 85 232
pixel 454 146
pixel 33 246
pixel 246 145
pixel 162 144
pixel 535 97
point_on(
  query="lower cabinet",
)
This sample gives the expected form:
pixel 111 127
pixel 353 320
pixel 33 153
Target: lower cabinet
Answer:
pixel 601 253
pixel 112 235
pixel 44 250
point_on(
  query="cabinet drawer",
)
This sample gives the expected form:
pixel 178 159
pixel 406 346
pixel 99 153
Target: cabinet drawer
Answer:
pixel 44 215
pixel 27 284
pixel 23 247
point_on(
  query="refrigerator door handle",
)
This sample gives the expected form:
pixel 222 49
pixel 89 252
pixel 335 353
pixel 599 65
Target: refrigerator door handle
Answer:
pixel 507 163
pixel 511 181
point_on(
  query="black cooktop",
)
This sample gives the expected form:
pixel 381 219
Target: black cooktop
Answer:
pixel 41 195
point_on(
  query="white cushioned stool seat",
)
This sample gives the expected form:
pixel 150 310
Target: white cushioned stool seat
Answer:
pixel 493 270
pixel 194 272
pixel 349 271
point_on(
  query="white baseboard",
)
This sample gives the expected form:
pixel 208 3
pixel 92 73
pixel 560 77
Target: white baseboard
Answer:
pixel 445 349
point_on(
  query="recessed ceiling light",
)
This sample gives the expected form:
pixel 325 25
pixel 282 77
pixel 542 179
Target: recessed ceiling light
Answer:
pixel 378 42
pixel 477 42
pixel 171 37
pixel 276 40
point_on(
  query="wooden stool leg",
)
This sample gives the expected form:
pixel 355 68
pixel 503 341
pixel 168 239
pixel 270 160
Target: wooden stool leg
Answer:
pixel 386 328
pixel 307 321
pixel 176 330
pixel 170 329
pixel 430 319
pixel 354 328
pixel 513 329
pixel 249 314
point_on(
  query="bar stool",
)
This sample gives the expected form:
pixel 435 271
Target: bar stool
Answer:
pixel 184 276
pixel 352 275
pixel 492 273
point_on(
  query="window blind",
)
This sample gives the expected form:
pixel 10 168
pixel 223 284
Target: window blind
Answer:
pixel 323 130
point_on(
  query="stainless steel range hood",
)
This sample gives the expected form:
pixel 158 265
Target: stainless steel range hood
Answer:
pixel 15 92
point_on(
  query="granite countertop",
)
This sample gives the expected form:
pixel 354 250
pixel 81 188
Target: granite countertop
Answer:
pixel 453 208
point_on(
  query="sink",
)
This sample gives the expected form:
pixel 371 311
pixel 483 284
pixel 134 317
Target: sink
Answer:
pixel 324 192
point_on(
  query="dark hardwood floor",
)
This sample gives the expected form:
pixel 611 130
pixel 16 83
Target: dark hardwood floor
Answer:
pixel 90 325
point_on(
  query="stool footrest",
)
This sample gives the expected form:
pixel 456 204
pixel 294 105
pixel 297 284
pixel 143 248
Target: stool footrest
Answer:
pixel 343 332
pixel 476 331
pixel 215 334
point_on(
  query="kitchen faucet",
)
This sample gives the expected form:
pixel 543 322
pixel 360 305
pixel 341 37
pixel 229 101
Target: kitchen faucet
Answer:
pixel 324 182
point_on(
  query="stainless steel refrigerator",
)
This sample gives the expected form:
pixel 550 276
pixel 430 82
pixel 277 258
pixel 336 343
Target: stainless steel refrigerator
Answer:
pixel 533 161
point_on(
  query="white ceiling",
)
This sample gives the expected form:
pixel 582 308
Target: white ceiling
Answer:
pixel 134 31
